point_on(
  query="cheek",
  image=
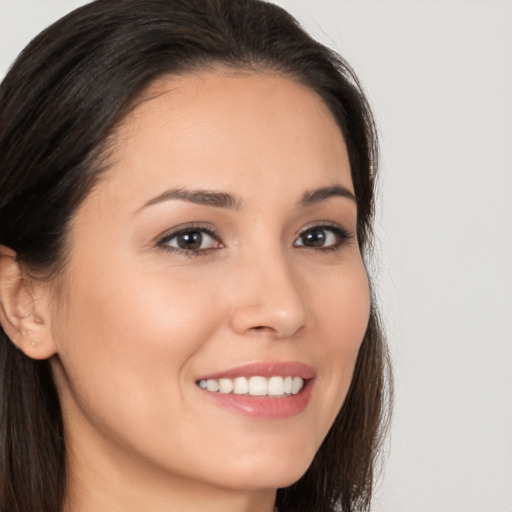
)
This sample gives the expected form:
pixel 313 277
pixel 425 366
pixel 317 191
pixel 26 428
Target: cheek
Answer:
pixel 128 338
pixel 343 313
pixel 342 307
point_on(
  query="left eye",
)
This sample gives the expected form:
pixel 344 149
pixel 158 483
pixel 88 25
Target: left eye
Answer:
pixel 191 240
pixel 321 237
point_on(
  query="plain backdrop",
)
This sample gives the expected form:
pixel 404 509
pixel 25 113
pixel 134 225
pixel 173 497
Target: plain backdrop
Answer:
pixel 439 76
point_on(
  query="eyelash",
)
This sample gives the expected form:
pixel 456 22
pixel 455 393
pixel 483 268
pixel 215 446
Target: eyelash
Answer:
pixel 342 235
pixel 191 228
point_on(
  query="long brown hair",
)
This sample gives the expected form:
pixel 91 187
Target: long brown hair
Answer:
pixel 60 101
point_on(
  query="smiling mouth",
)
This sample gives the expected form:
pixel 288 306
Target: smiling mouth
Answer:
pixel 257 386
pixel 262 390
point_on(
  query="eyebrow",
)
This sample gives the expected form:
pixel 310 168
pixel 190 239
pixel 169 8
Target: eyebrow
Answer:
pixel 321 194
pixel 197 196
pixel 230 201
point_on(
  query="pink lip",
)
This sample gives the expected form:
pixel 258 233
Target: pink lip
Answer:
pixel 265 369
pixel 265 407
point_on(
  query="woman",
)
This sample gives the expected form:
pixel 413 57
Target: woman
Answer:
pixel 185 211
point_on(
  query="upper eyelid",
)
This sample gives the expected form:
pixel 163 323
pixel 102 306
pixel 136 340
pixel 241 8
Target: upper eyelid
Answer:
pixel 183 228
pixel 318 224
pixel 324 225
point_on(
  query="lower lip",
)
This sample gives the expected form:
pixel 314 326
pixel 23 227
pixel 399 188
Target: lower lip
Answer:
pixel 263 406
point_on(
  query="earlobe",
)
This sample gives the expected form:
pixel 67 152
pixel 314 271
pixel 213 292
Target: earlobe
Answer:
pixel 23 316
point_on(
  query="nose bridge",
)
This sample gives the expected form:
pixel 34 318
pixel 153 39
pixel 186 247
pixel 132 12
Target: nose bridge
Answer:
pixel 269 296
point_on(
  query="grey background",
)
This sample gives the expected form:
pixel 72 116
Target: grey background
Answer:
pixel 439 75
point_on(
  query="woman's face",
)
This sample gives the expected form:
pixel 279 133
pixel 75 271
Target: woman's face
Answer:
pixel 219 245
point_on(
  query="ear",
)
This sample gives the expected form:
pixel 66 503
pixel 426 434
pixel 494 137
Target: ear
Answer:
pixel 24 314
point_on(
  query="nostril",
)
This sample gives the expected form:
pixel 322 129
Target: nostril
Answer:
pixel 262 330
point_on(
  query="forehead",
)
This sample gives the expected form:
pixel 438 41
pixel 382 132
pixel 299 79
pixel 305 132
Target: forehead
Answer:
pixel 228 130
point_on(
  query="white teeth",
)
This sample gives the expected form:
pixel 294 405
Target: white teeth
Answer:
pixel 276 386
pixel 297 385
pixel 241 386
pixel 225 386
pixel 255 386
pixel 212 385
pixel 288 385
pixel 258 386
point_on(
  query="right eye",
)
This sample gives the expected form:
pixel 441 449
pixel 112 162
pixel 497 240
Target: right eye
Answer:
pixel 191 240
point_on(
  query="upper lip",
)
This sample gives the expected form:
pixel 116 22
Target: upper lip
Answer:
pixel 265 369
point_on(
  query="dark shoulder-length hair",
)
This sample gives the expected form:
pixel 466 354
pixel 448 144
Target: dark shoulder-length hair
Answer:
pixel 60 101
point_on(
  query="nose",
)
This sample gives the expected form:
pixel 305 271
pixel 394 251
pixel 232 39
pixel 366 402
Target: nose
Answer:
pixel 269 299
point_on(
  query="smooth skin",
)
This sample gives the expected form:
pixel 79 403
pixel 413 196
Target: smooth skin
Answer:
pixel 140 314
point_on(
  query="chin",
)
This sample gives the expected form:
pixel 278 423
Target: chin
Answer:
pixel 277 470
pixel 269 479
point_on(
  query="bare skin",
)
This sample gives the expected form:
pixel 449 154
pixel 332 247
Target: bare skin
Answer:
pixel 142 317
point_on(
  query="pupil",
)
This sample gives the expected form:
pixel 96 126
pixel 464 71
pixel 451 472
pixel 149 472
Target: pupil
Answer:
pixel 314 238
pixel 191 240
